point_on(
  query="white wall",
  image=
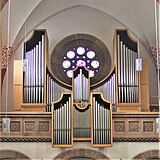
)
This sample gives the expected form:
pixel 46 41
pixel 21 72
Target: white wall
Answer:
pixel 123 150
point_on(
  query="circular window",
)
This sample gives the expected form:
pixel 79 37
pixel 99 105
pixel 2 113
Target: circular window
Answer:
pixel 80 56
pixel 80 50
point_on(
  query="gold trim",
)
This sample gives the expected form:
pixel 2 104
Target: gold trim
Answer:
pixel 92 118
pixel 33 105
pixel 81 108
pixel 81 139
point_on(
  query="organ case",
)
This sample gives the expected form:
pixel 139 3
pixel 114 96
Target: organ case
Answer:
pixel 34 71
pixel 128 97
pixel 62 128
pixel 101 120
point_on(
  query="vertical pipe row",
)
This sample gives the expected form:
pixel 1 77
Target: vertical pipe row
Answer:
pixel 108 89
pixel 119 68
pixel 53 91
pixel 101 123
pixel 127 75
pixel 81 87
pixel 34 76
pixel 69 120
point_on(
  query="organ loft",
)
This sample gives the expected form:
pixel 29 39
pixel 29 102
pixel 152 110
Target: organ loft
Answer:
pixel 81 89
pixel 79 80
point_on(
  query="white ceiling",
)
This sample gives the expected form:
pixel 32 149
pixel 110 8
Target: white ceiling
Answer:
pixel 136 15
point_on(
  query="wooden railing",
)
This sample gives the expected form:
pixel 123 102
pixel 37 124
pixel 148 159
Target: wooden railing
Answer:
pixel 37 127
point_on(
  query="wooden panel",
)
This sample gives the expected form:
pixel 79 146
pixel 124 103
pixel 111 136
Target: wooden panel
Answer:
pixel 145 97
pixel 144 86
pixel 17 98
pixel 17 81
pixel 144 72
pixel 129 107
pixel 36 127
pixel 33 107
pixel 18 72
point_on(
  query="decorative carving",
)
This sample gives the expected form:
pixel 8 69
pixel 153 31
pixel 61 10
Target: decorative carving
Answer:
pixel 148 126
pixel 25 139
pixel 136 139
pixel 46 139
pixel 15 126
pixel 153 52
pixel 0 126
pixel 6 55
pixel 30 126
pixel 44 126
pixel 119 126
pixel 134 126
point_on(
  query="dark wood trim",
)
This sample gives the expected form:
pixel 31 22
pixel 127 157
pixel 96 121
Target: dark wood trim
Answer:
pixel 39 139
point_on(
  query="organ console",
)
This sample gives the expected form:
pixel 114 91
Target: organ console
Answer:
pixel 81 111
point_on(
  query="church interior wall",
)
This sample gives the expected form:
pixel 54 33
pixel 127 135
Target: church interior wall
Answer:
pixel 119 150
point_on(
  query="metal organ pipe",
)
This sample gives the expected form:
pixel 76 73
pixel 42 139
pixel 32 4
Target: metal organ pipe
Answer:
pixel 101 122
pixel 54 91
pixel 108 89
pixel 62 122
pixel 127 75
pixel 81 87
pixel 33 76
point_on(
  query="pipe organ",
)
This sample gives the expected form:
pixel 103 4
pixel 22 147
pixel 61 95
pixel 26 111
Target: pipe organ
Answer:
pixel 81 111
pixel 81 86
pixel 128 97
pixel 101 119
pixel 62 124
pixel 54 91
pixel 34 61
pixel 91 115
pixel 33 67
pixel 107 88
pixel 82 123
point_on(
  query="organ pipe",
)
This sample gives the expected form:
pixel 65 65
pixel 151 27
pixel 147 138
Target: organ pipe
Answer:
pixel 62 124
pixel 108 88
pixel 127 75
pixel 33 77
pixel 102 115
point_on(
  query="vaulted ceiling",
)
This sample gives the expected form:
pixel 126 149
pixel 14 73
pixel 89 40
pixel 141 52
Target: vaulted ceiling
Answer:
pixel 136 15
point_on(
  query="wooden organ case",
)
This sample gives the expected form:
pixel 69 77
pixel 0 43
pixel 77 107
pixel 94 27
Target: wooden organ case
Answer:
pixel 80 111
pixel 34 71
pixel 128 97
pixel 82 115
